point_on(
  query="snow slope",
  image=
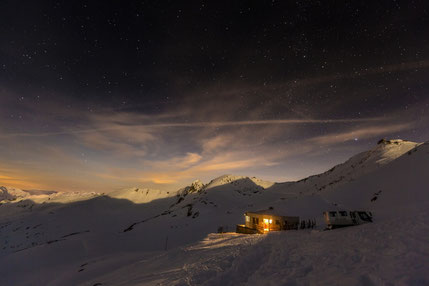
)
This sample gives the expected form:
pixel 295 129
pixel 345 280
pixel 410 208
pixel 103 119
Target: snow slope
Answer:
pixel 385 152
pixel 11 194
pixel 373 254
pixel 140 196
pixel 235 180
pixel 166 240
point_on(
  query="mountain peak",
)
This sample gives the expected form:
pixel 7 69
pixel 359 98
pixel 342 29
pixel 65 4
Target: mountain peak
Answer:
pixel 385 141
pixel 11 194
pixel 363 163
pixel 197 185
pixel 388 150
pixel 228 179
pixel 139 195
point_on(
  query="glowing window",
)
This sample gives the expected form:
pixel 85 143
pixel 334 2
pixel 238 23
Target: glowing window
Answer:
pixel 267 223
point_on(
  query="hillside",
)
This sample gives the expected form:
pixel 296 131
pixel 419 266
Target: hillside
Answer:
pixel 154 237
pixel 140 196
pixel 366 162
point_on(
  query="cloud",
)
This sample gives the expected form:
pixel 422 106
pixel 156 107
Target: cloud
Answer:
pixel 216 165
pixel 229 128
pixel 360 133
pixel 126 141
pixel 213 144
pixel 130 131
pixel 124 149
pixel 359 73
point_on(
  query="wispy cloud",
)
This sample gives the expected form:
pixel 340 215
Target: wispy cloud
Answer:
pixel 360 72
pixel 246 129
pixel 360 133
pixel 119 150
pixel 218 164
pixel 123 128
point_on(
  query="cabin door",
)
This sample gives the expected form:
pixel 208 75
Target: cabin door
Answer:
pixel 267 224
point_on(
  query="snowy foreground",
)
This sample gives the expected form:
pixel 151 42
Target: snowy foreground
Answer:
pixel 147 237
pixel 376 254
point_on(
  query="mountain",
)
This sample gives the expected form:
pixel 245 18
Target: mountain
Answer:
pixel 241 182
pixel 366 162
pixel 140 196
pixel 11 194
pixel 34 197
pixel 145 237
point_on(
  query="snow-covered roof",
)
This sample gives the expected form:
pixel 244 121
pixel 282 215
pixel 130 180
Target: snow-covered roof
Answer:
pixel 266 212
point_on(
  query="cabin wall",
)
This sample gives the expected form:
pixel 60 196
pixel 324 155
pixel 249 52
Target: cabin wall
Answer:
pixel 256 221
pixel 241 228
pixel 290 222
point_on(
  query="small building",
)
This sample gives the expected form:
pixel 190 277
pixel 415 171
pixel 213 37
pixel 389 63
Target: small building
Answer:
pixel 336 219
pixel 264 221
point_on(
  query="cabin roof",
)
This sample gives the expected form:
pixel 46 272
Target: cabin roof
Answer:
pixel 265 212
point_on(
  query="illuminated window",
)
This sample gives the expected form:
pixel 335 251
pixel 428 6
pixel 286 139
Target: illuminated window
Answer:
pixel 248 218
pixel 267 223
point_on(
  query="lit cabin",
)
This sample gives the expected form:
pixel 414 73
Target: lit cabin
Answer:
pixel 265 221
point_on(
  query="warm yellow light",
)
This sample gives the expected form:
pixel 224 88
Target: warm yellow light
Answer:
pixel 267 223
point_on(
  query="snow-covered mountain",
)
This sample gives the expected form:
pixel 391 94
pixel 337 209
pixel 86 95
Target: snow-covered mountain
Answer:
pixel 11 194
pixel 37 197
pixel 366 162
pixel 147 237
pixel 140 196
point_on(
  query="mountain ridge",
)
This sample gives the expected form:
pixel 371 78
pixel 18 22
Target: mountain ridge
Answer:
pixel 383 153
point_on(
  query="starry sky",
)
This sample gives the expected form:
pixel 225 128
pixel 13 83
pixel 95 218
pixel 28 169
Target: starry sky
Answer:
pixel 103 95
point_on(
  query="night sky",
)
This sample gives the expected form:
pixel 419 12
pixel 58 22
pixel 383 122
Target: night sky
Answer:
pixel 103 95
